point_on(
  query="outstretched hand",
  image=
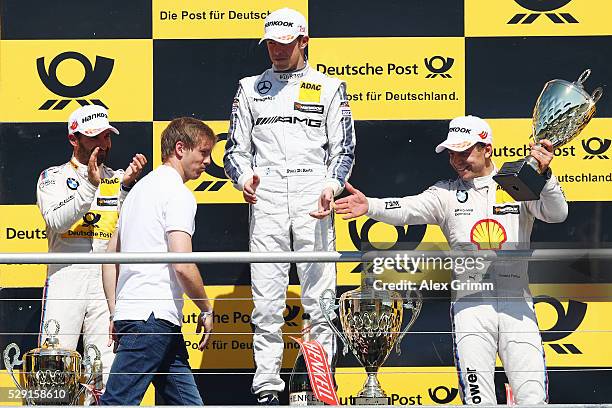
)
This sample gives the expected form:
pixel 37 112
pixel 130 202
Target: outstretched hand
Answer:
pixel 134 170
pixel 354 205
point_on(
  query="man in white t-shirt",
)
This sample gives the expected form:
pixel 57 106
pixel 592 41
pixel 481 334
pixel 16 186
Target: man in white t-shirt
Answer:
pixel 146 300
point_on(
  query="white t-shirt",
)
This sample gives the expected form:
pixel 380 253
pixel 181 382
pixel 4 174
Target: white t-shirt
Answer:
pixel 158 204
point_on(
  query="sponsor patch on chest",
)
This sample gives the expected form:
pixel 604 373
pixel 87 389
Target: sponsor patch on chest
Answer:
pixel 310 92
pixel 506 209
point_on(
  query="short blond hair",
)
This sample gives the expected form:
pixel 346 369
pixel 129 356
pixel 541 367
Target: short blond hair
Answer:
pixel 188 130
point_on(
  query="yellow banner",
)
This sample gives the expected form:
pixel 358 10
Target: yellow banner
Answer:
pixel 213 19
pixel 213 186
pixel 396 78
pixel 403 385
pixel 582 166
pixel 45 81
pixel 528 18
pixel 22 229
pixel 231 344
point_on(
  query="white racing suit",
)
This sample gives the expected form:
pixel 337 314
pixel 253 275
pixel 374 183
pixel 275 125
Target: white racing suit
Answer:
pixel 475 215
pixel 80 218
pixel 295 131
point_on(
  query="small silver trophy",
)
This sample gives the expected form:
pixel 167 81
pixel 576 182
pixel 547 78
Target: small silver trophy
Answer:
pixel 51 375
pixel 371 321
pixel 562 110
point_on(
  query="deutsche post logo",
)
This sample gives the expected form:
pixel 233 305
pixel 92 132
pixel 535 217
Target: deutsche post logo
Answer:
pixel 438 65
pixel 596 147
pixel 95 77
pixel 567 323
pixel 542 7
pixel 488 234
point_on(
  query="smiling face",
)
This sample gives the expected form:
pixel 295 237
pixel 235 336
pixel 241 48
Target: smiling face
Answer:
pixel 473 162
pixel 287 57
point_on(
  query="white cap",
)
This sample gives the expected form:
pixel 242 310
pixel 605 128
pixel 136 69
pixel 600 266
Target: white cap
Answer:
pixel 284 26
pixel 89 120
pixel 464 132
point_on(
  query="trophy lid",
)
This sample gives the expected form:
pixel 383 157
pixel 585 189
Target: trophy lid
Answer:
pixel 51 346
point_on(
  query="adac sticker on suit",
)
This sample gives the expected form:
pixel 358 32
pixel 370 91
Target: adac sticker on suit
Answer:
pixel 44 81
pixel 396 78
pixel 195 19
pixel 213 186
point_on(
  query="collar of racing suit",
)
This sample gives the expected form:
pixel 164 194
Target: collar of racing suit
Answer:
pixel 81 168
pixel 290 76
pixel 481 182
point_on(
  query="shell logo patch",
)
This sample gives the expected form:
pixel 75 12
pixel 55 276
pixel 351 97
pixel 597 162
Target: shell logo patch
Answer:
pixel 488 234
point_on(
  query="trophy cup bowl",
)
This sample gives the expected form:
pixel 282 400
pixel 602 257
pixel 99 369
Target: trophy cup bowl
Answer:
pixel 50 375
pixel 371 322
pixel 562 110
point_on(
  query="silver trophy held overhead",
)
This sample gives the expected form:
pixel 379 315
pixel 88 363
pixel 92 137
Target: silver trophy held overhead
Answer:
pixel 562 110
pixel 51 375
pixel 371 323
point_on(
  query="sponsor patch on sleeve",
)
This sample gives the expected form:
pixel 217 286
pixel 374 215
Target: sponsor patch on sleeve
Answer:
pixel 235 105
pixel 392 204
pixel 345 109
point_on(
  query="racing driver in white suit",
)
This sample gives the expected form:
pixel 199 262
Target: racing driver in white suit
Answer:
pixel 474 214
pixel 79 202
pixel 290 149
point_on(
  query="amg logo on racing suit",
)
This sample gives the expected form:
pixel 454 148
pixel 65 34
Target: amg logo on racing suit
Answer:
pixel 279 23
pixel 472 379
pixel 288 119
pixel 308 108
pixel 506 209
pixel 390 205
pixel 460 130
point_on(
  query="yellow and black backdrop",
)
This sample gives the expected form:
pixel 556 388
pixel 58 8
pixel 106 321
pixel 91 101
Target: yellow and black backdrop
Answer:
pixel 410 66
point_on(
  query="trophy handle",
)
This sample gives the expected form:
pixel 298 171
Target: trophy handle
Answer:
pixel 88 365
pixel 14 363
pixel 583 77
pixel 327 302
pixel 416 306
pixel 597 93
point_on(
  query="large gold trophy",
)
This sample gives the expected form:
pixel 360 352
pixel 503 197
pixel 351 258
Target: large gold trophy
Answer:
pixel 562 110
pixel 51 375
pixel 371 322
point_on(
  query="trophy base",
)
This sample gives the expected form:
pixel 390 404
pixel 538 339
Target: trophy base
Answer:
pixel 520 180
pixel 372 401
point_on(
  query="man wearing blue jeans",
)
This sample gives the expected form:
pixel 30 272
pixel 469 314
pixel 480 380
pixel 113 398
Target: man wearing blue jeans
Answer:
pixel 146 300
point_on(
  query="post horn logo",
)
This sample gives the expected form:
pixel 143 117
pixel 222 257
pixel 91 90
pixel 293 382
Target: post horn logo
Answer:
pixel 216 171
pixel 545 7
pixel 488 234
pixel 601 146
pixel 90 219
pixel 440 68
pixel 407 239
pixel 567 323
pixel 95 77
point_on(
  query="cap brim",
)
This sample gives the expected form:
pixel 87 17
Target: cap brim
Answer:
pixel 455 147
pixel 282 40
pixel 96 132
